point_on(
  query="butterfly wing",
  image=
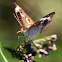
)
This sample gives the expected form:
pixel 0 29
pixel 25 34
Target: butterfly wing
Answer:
pixel 39 26
pixel 24 20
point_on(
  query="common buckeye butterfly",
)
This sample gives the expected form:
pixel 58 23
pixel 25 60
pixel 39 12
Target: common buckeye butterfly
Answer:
pixel 29 28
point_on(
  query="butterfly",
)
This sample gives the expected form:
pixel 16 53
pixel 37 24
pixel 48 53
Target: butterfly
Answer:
pixel 28 26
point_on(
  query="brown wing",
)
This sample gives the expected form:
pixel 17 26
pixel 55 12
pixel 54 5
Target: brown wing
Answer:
pixel 39 26
pixel 24 20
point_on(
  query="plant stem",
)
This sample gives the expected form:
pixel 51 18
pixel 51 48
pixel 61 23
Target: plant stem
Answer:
pixel 3 55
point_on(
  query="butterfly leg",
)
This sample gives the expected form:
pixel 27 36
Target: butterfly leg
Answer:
pixel 18 32
pixel 21 37
pixel 30 38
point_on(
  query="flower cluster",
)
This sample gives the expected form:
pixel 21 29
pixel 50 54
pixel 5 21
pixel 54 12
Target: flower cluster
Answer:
pixel 31 48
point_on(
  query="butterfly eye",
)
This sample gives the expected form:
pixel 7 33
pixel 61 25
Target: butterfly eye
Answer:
pixel 28 21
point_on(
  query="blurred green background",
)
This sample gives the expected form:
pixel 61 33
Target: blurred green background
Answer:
pixel 36 9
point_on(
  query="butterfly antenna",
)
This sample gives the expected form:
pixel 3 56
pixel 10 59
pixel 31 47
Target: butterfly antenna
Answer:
pixel 14 3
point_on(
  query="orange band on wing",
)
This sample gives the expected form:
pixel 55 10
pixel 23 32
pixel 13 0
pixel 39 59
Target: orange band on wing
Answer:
pixel 32 26
pixel 31 21
pixel 19 16
pixel 20 21
pixel 37 23
pixel 22 11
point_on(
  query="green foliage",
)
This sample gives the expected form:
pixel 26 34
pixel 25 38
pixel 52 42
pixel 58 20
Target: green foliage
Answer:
pixel 35 9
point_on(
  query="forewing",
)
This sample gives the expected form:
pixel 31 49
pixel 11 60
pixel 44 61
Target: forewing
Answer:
pixel 39 26
pixel 24 20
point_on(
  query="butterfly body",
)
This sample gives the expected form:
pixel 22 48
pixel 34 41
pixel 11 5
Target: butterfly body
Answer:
pixel 28 27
